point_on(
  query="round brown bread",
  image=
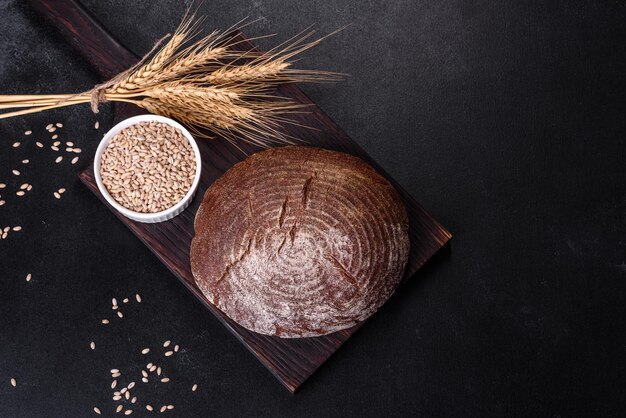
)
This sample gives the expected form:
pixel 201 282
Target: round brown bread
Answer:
pixel 299 242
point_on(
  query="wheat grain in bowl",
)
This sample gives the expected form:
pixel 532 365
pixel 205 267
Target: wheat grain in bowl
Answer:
pixel 148 167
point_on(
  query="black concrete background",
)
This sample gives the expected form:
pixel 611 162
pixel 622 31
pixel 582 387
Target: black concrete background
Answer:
pixel 505 119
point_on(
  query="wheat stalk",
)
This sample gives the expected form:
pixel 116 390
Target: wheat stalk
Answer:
pixel 209 84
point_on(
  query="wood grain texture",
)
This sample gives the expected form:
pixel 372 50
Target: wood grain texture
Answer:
pixel 291 361
pixel 102 51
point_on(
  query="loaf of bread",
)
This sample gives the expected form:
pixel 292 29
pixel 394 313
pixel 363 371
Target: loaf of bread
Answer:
pixel 300 242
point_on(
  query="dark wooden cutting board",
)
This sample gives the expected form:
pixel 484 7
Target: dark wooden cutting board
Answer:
pixel 292 361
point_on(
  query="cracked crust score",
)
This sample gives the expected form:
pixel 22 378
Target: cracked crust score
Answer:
pixel 299 242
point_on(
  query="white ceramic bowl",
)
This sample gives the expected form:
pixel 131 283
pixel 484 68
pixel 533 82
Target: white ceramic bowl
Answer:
pixel 138 216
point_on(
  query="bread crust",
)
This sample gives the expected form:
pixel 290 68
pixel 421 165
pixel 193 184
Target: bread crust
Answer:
pixel 300 242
